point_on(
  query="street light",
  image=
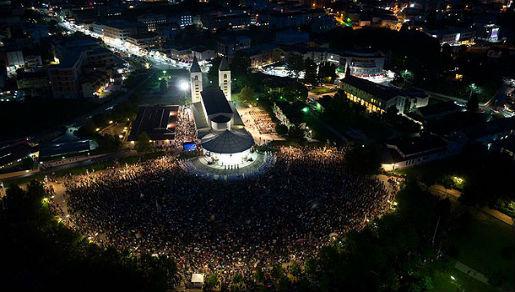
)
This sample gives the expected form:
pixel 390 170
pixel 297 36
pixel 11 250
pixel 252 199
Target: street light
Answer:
pixel 183 85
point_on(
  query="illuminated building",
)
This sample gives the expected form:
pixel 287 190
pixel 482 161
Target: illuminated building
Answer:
pixel 196 81
pixel 152 21
pixel 224 78
pixel 224 139
pixel 364 63
pixel 379 98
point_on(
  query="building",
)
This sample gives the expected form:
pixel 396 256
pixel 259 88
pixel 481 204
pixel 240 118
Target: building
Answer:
pixel 64 77
pixel 237 20
pixel 227 46
pixel 224 139
pixel 263 55
pixel 203 53
pixel 489 33
pixel 182 20
pixel 364 63
pixel 454 36
pixel 182 54
pixel 115 29
pixel 144 41
pixel 379 98
pixel 224 78
pixel 12 153
pixel 94 84
pixel 435 111
pixel 195 81
pixel 64 148
pixel 407 152
pixel 33 83
pixel 152 21
pixel 80 59
pixel 158 122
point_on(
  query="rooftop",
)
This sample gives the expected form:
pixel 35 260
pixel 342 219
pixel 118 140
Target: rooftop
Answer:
pixel 157 121
pixel 228 141
pixel 377 90
pixel 413 146
pixel 215 102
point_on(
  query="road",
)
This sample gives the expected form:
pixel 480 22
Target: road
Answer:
pixel 69 163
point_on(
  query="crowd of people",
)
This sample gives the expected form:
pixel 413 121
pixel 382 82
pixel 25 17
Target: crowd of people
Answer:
pixel 185 130
pixel 262 121
pixel 227 227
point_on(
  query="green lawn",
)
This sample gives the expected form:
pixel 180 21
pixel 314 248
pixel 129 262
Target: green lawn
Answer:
pixel 322 90
pixel 442 281
pixel 488 246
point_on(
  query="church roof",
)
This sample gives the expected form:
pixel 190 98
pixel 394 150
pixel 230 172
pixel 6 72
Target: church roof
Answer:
pixel 228 142
pixel 220 119
pixel 195 68
pixel 224 65
pixel 215 102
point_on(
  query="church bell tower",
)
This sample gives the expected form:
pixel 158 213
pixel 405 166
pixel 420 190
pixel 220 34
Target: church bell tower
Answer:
pixel 224 78
pixel 195 81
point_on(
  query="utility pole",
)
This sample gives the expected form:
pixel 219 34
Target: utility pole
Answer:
pixel 436 228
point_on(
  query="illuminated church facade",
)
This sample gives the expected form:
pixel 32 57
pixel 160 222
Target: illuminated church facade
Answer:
pixel 219 126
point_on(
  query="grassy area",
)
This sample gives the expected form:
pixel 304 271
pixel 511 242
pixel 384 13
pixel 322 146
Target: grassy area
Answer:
pixel 442 281
pixel 322 90
pixel 488 246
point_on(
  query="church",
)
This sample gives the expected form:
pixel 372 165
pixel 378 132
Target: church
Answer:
pixel 220 128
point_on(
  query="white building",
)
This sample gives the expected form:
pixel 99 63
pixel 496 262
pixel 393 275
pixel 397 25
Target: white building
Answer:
pixel 195 81
pixel 224 78
pixel 223 136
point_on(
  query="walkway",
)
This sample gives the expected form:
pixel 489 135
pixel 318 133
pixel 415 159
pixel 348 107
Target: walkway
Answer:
pixel 471 272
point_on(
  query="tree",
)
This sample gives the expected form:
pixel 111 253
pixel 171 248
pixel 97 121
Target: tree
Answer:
pixel 240 64
pixel 247 93
pixel 310 75
pixel 327 72
pixel 295 132
pixel 143 143
pixel 281 129
pixel 39 253
pixel 212 75
pixel 363 159
pixel 27 163
pixel 295 63
pixel 211 282
pixel 473 104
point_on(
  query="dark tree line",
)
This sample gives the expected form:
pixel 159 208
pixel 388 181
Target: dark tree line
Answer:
pixel 40 254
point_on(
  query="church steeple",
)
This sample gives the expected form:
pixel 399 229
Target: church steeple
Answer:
pixel 195 68
pixel 224 65
pixel 195 81
pixel 224 78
